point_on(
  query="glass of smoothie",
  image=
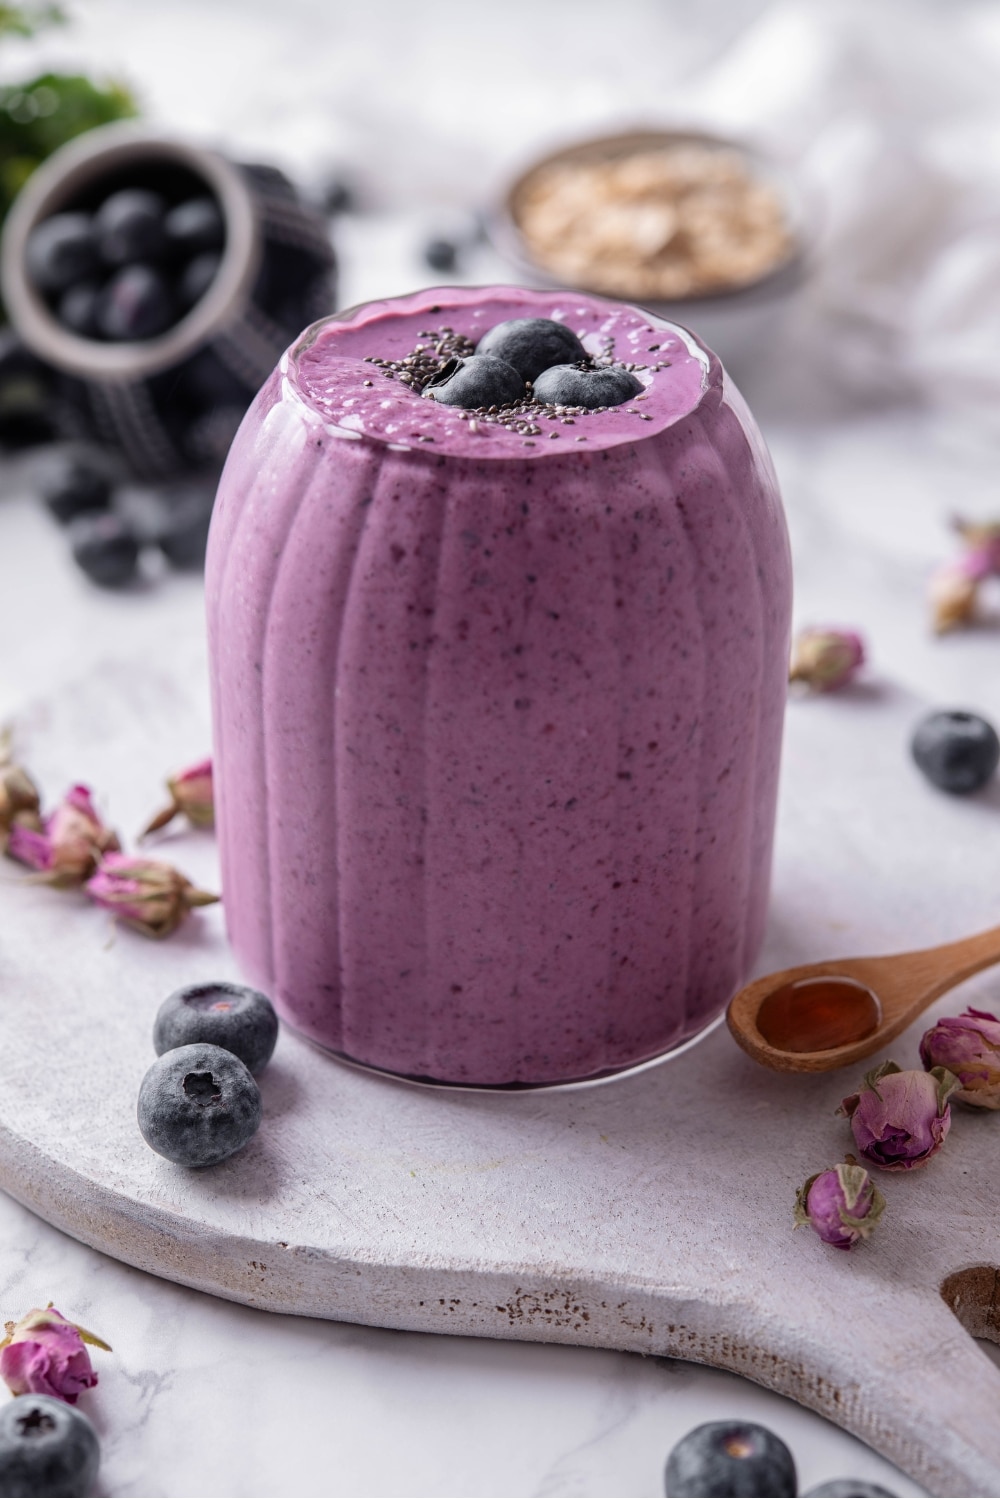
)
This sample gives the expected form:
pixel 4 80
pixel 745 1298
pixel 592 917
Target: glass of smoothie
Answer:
pixel 499 658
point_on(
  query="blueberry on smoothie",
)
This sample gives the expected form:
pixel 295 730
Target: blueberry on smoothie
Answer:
pixel 60 251
pixel 130 226
pixel 46 1448
pixel 134 304
pixel 232 1016
pixel 479 380
pixel 532 345
pixel 198 1104
pixel 565 385
pixel 957 751
pixel 731 1458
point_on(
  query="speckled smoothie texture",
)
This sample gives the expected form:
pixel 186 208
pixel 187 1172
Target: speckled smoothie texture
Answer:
pixel 497 718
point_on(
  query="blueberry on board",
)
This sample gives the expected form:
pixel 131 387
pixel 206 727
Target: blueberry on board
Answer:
pixel 565 385
pixel 532 345
pixel 849 1487
pixel 182 533
pixel 232 1016
pixel 60 251
pixel 105 548
pixel 196 278
pixel 130 226
pixel 134 304
pixel 731 1458
pixel 956 750
pixel 441 254
pixel 198 1104
pixel 77 308
pixel 195 225
pixel 46 1448
pixel 76 488
pixel 478 380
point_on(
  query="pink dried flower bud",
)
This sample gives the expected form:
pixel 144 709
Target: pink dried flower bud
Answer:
pixel 44 1354
pixel 983 539
pixel 842 1204
pixel 191 794
pixel 826 659
pixel 954 588
pixel 18 798
pixel 66 848
pixel 900 1119
pixel 968 1046
pixel 148 894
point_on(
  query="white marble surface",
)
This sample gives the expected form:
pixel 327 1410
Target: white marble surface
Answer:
pixel 205 1398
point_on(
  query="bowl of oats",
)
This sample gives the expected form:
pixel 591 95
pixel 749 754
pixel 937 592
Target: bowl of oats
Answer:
pixel 705 230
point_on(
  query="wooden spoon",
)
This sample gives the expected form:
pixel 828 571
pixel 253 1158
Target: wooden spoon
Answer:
pixel 821 1016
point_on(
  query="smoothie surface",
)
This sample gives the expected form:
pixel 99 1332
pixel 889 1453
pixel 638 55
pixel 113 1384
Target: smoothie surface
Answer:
pixel 330 371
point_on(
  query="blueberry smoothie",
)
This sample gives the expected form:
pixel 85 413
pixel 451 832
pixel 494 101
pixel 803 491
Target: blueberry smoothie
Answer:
pixel 498 595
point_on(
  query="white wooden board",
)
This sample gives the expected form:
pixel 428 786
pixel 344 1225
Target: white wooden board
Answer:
pixel 650 1214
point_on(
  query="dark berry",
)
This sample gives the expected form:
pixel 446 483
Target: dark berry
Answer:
pixel 196 278
pixel 565 385
pixel 849 1487
pixel 479 380
pixel 76 488
pixel 60 251
pixel 531 345
pixel 130 227
pixel 182 534
pixel 106 548
pixel 227 1015
pixel 731 1458
pixel 957 751
pixel 337 196
pixel 135 304
pixel 77 308
pixel 198 1104
pixel 46 1448
pixel 194 226
pixel 441 254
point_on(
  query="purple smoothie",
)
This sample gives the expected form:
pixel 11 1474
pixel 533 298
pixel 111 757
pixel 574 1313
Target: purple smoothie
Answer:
pixel 497 716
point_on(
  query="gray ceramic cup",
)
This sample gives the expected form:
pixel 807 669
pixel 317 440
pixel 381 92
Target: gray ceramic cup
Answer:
pixel 172 403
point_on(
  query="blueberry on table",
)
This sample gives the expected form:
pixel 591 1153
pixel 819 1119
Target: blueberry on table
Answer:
pixel 337 196
pixel 731 1458
pixel 957 751
pixel 105 547
pixel 532 345
pixel 46 1448
pixel 130 226
pixel 232 1016
pixel 134 304
pixel 198 1104
pixel 478 380
pixel 76 488
pixel 849 1487
pixel 182 531
pixel 77 308
pixel 196 278
pixel 195 225
pixel 565 385
pixel 441 254
pixel 60 251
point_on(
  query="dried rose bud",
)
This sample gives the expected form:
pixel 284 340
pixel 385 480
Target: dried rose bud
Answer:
pixel 954 588
pixel 66 848
pixel 900 1119
pixel 45 1355
pixel 148 894
pixel 826 659
pixel 968 1046
pixel 190 794
pixel 18 799
pixel 842 1204
pixel 982 537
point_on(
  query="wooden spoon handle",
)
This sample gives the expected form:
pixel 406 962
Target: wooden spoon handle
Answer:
pixel 930 972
